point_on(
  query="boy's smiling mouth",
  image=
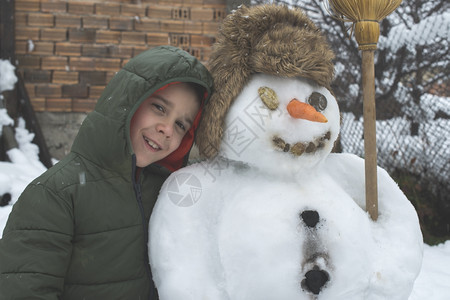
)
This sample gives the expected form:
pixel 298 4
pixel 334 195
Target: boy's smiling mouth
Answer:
pixel 152 144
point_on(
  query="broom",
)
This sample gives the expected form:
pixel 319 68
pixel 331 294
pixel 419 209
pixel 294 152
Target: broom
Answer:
pixel 365 16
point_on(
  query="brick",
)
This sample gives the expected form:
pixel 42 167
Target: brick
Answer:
pixel 94 50
pixel 31 89
pixel 210 28
pixel 120 51
pixel 132 10
pixel 136 51
pixel 202 40
pixel 219 14
pixel 206 54
pixel 83 105
pixel 28 61
pixel 137 38
pixel 41 48
pixel 54 6
pixel 65 77
pixel 121 23
pixel 93 78
pixel 69 21
pixel 124 62
pixel 107 64
pixel 109 9
pixel 77 35
pixel 27 5
pixel 95 91
pixel 110 75
pixel 193 27
pixel 98 22
pixel 180 40
pixel 197 52
pixel 75 90
pixel 147 25
pixel 20 19
pixel 27 33
pixel 82 63
pixel 41 20
pixel 37 76
pixel 48 90
pixel 59 104
pixel 181 13
pixel 108 37
pixel 172 26
pixel 38 104
pixel 54 63
pixel 68 49
pixel 171 2
pixel 210 2
pixel 53 34
pixel 80 8
pixel 159 12
pixel 202 14
pixel 155 39
pixel 21 47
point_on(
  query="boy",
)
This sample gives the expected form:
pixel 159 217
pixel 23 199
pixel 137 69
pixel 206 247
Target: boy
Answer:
pixel 80 230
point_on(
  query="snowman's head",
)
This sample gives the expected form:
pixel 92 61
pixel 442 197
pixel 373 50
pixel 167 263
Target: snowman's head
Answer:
pixel 284 124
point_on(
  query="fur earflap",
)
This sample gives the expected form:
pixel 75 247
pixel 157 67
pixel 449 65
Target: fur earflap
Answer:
pixel 266 39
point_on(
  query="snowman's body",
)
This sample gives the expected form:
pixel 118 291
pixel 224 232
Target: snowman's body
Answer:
pixel 263 221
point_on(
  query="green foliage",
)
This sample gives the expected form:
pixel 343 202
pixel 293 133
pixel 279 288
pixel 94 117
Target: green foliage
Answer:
pixel 432 206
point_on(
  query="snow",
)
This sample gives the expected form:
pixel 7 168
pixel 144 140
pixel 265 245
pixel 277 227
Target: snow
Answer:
pixel 433 281
pixel 7 77
pixel 424 32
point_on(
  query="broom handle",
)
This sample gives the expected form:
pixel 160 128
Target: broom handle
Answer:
pixel 370 144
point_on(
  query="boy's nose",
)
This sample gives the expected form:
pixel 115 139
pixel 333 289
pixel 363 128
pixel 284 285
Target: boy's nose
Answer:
pixel 165 128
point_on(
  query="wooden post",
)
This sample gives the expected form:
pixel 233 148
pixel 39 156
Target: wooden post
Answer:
pixel 370 140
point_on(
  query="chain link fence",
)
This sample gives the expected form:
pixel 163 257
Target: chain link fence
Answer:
pixel 413 127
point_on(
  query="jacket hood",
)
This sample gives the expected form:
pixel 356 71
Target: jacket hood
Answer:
pixel 104 136
pixel 268 39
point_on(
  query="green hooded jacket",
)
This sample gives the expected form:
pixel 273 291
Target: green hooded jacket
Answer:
pixel 80 230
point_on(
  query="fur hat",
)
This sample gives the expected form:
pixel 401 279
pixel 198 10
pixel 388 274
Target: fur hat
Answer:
pixel 265 39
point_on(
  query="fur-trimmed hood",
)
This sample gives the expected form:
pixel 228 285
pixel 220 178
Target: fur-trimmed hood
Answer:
pixel 265 39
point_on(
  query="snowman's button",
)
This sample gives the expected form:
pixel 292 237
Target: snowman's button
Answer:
pixel 5 199
pixel 314 280
pixel 310 217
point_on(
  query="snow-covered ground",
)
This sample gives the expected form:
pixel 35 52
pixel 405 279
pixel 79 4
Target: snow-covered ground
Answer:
pixel 433 281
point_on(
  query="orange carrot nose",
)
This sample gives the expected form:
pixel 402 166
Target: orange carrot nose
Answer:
pixel 301 110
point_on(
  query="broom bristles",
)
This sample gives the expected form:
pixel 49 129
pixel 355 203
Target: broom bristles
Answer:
pixel 365 15
pixel 364 10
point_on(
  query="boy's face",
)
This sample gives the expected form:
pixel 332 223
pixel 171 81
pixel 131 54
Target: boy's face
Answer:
pixel 161 121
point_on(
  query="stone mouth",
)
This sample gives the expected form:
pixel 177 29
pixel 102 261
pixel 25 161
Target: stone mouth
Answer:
pixel 300 148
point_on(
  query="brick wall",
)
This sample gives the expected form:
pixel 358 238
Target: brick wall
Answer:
pixel 68 50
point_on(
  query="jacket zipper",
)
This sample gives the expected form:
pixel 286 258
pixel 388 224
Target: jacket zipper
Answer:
pixel 137 191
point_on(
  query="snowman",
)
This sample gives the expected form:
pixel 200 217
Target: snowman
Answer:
pixel 272 213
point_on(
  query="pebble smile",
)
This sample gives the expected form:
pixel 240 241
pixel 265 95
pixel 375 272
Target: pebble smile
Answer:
pixel 299 148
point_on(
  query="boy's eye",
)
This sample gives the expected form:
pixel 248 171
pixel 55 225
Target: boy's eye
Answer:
pixel 159 107
pixel 181 125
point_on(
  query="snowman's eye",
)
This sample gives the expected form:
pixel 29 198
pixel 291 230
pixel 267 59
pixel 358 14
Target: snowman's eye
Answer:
pixel 318 101
pixel 268 97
